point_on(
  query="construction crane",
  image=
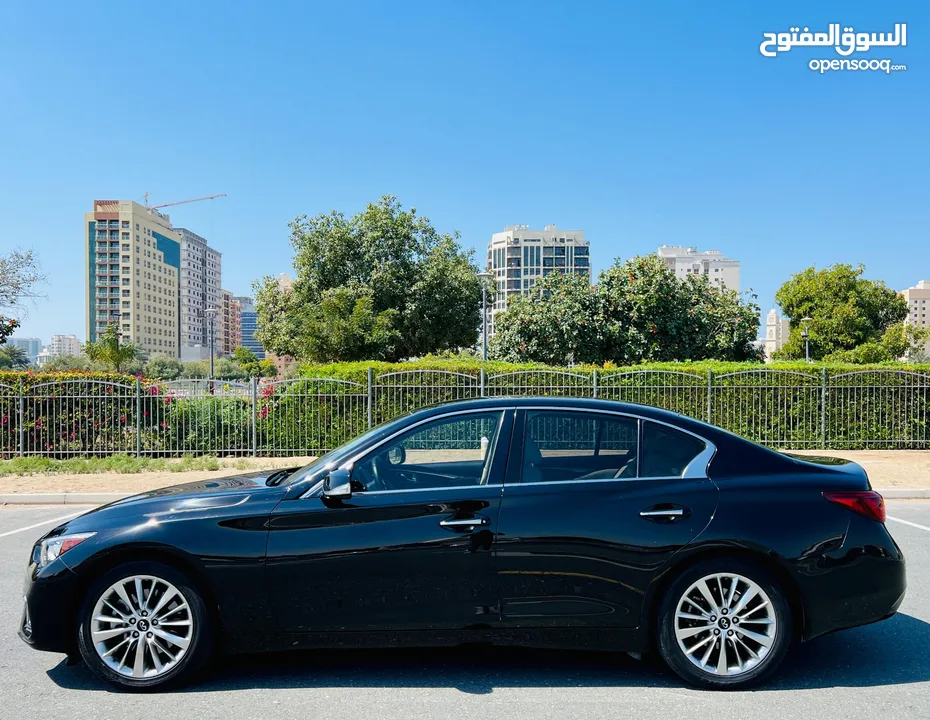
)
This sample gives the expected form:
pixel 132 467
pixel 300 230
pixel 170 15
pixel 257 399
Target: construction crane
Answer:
pixel 180 202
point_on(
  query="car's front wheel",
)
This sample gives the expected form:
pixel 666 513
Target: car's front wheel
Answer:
pixel 724 623
pixel 144 625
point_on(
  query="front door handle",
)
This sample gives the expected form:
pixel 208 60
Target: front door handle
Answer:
pixel 665 513
pixel 464 523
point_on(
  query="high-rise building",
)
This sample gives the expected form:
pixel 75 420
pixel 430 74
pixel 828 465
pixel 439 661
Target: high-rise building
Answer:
pixel 31 346
pixel 777 330
pixel 231 323
pixel 199 289
pixel 249 326
pixel 518 257
pixel 720 271
pixel 133 262
pixel 918 300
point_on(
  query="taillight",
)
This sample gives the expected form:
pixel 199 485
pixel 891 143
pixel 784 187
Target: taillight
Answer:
pixel 867 503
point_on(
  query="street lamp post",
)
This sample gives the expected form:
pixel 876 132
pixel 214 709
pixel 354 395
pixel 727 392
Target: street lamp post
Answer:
pixel 805 333
pixel 484 277
pixel 211 313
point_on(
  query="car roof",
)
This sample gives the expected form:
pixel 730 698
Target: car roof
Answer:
pixel 568 403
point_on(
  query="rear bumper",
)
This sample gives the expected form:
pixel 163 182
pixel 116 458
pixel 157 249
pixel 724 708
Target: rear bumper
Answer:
pixel 861 583
pixel 47 619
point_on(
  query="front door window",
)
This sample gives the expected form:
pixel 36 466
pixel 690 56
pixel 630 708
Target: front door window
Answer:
pixel 449 452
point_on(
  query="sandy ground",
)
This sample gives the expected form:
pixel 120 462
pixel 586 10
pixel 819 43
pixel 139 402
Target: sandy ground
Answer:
pixel 117 483
pixel 886 469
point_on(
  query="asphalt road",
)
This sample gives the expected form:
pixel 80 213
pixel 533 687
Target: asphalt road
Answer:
pixel 874 672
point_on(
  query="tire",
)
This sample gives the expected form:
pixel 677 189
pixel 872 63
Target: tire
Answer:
pixel 110 631
pixel 765 615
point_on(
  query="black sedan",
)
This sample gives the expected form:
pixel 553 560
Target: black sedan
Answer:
pixel 531 521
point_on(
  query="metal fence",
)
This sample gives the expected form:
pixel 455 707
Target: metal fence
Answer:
pixel 307 416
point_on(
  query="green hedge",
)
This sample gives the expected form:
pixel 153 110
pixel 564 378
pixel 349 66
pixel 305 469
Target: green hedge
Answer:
pixel 782 404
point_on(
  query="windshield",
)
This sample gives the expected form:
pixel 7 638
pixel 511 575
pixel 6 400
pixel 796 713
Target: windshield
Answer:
pixel 317 469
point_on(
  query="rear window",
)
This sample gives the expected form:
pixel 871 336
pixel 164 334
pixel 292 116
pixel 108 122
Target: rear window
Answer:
pixel 666 451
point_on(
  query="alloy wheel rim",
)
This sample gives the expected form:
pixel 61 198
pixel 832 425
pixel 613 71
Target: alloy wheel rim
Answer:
pixel 142 626
pixel 725 624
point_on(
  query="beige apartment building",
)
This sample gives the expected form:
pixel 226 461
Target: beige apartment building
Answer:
pixel 720 271
pixel 230 323
pixel 132 267
pixel 918 302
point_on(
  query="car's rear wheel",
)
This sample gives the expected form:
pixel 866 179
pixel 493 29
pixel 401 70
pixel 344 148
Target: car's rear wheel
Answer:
pixel 724 623
pixel 144 625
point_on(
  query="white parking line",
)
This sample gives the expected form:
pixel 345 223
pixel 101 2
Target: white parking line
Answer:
pixel 40 524
pixel 905 522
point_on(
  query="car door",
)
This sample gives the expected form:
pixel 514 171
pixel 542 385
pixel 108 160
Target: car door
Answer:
pixel 594 504
pixel 411 548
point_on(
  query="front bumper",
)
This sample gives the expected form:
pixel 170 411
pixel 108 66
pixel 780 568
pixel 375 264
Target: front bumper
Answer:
pixel 47 621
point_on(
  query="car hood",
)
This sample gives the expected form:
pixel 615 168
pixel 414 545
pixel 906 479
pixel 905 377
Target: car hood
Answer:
pixel 206 495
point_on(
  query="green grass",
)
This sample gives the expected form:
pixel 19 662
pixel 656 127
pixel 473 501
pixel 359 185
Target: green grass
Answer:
pixel 125 464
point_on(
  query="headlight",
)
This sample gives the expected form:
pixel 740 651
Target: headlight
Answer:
pixel 53 547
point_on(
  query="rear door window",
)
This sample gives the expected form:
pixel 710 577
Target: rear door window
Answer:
pixel 667 452
pixel 560 446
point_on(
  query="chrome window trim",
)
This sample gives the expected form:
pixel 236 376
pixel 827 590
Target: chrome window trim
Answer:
pixel 696 469
pixel 366 493
pixel 347 465
pixel 601 480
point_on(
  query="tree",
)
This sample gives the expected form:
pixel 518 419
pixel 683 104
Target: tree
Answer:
pixel 13 358
pixel 380 284
pixel 845 310
pixel 559 323
pixel 639 311
pixel 19 274
pixel 70 363
pixel 901 341
pixel 252 366
pixel 162 367
pixel 108 350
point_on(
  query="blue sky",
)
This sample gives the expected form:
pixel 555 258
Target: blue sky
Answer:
pixel 642 123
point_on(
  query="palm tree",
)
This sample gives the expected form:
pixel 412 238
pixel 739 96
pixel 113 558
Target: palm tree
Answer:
pixel 107 349
pixel 13 358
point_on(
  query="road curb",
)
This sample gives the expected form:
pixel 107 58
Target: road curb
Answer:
pixel 102 498
pixel 905 493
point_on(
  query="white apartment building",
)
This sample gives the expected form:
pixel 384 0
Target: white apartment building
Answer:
pixel 199 289
pixel 777 330
pixel 518 257
pixel 918 302
pixel 719 270
pixel 132 267
pixel 64 345
pixel 60 345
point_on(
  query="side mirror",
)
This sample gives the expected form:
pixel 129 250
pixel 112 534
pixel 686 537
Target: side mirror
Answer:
pixel 338 485
pixel 397 455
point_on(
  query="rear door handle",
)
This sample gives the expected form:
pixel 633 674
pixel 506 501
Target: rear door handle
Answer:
pixel 665 513
pixel 464 523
